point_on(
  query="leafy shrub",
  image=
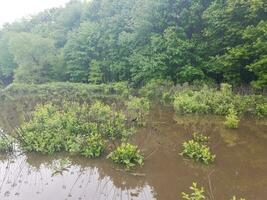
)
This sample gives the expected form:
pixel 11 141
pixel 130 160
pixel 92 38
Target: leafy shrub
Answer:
pixel 197 151
pixel 209 100
pixel 137 110
pixel 188 102
pixel 45 132
pixel 158 89
pixel 92 146
pixel 72 127
pixel 110 124
pixel 197 193
pixel 127 155
pixel 261 110
pixel 232 120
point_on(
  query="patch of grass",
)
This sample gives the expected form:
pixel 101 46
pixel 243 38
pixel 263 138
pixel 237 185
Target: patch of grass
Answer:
pixel 127 155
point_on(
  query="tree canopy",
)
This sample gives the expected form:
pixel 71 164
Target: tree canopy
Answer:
pixel 102 41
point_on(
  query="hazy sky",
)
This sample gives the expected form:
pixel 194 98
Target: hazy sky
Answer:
pixel 11 10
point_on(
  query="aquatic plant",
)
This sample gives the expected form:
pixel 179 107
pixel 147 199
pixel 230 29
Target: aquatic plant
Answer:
pixel 197 193
pixel 128 155
pixel 72 127
pixel 198 137
pixel 137 110
pixel 197 151
pixel 232 120
pixel 93 146
pixel 235 198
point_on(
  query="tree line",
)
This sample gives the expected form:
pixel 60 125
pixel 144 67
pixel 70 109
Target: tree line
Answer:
pixel 102 41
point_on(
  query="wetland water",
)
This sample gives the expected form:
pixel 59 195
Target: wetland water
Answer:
pixel 240 167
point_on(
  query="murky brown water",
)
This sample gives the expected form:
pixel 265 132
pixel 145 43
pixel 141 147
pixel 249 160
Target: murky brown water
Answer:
pixel 240 167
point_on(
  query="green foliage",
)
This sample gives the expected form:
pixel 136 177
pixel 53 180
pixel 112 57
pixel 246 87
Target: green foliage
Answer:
pixel 127 155
pixel 6 143
pixel 92 146
pixel 73 127
pixel 45 132
pixel 197 151
pixel 197 193
pixel 158 90
pixel 209 100
pixel 261 110
pixel 137 110
pixel 34 56
pixel 232 120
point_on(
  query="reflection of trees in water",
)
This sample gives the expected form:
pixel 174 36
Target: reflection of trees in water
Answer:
pixel 94 179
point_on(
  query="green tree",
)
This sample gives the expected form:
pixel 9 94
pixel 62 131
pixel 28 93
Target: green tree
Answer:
pixel 35 57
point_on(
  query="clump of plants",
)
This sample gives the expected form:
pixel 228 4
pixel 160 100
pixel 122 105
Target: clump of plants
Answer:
pixel 196 194
pixel 232 120
pixel 212 101
pixel 197 149
pixel 137 110
pixel 92 146
pixel 261 110
pixel 72 127
pixel 127 155
pixel 158 90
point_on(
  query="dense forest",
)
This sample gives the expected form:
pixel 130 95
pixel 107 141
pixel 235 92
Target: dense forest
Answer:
pixel 102 41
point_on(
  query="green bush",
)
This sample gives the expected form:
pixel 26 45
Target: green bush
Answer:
pixel 197 193
pixel 72 127
pixel 158 90
pixel 110 123
pixel 261 110
pixel 232 120
pixel 197 151
pixel 127 155
pixel 212 101
pixel 92 146
pixel 137 110
pixel 45 132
